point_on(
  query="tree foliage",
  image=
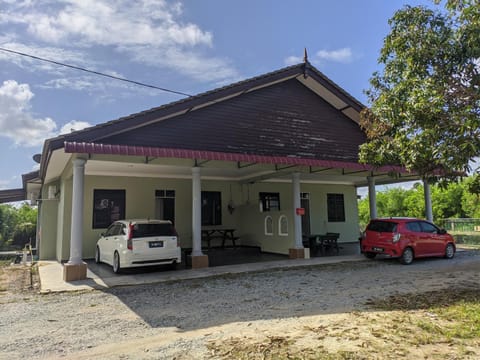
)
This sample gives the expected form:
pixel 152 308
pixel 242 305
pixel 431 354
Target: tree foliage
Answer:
pixel 17 225
pixel 451 201
pixel 425 103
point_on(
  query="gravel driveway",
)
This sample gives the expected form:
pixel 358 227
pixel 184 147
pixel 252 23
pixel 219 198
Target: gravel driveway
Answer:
pixel 177 320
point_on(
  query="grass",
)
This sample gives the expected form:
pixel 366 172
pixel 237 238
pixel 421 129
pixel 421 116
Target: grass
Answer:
pixel 466 238
pixel 437 325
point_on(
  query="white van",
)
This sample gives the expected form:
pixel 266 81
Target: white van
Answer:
pixel 140 242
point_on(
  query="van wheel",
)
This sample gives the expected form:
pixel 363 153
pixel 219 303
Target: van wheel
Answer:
pixel 116 263
pixel 449 251
pixel 97 255
pixel 407 256
pixel 370 255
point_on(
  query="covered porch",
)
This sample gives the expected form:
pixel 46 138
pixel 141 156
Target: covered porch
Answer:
pixel 276 225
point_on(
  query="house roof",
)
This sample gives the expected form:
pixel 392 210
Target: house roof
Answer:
pixel 12 195
pixel 294 112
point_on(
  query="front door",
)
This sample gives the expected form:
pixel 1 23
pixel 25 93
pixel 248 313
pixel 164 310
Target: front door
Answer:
pixel 165 205
pixel 305 203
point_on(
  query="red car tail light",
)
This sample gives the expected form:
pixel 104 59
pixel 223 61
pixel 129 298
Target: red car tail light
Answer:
pixel 396 237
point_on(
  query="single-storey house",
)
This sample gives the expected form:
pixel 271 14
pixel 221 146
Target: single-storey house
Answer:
pixel 275 157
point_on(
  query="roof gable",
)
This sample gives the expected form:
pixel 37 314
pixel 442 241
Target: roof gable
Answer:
pixel 283 119
pixel 304 73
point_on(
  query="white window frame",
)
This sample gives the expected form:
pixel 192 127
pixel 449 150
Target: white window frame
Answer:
pixel 266 221
pixel 280 230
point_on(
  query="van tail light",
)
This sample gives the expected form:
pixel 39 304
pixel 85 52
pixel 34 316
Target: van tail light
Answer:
pixel 130 236
pixel 174 233
pixel 396 237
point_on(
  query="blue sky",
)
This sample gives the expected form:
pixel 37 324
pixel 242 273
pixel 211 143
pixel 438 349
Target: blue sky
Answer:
pixel 189 46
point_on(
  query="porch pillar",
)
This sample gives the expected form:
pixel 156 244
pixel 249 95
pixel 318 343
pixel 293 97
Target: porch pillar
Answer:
pixel 76 269
pixel 428 200
pixel 372 197
pixel 298 251
pixel 199 260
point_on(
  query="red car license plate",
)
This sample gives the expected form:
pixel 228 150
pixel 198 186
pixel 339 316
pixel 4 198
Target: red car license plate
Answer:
pixel 155 244
pixel 377 249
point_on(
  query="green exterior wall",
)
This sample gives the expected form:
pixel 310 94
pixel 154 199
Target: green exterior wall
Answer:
pixel 48 215
pixel 246 218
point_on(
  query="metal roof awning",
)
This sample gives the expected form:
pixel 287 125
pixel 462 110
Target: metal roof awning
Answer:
pixel 128 150
pixel 11 195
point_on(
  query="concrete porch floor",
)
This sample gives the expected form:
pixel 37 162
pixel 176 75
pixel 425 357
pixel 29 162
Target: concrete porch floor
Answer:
pixel 223 261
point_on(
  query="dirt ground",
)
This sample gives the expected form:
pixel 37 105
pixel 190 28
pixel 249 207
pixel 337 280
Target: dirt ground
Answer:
pixel 354 311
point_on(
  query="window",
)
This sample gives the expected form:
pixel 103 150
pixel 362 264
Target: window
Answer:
pixel 336 208
pixel 428 228
pixel 114 229
pixel 382 226
pixel 268 225
pixel 283 225
pixel 414 226
pixel 269 201
pixel 153 229
pixel 211 208
pixel 108 206
pixel 165 205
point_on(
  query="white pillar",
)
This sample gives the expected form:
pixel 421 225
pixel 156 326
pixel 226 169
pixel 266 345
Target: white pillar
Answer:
pixel 372 197
pixel 428 200
pixel 196 213
pixel 76 233
pixel 297 204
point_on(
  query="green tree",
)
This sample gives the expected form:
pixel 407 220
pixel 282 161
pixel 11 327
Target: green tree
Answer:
pixel 17 225
pixel 451 201
pixel 470 200
pixel 425 102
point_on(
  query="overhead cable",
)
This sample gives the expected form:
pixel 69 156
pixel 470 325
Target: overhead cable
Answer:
pixel 94 72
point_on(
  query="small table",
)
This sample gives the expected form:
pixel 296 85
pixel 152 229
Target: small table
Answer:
pixel 219 233
pixel 323 241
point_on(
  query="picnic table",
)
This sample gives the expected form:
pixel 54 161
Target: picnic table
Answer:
pixel 223 234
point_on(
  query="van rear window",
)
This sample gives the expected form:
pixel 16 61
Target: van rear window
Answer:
pixel 149 230
pixel 382 226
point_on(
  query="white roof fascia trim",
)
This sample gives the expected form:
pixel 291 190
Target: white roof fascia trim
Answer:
pixel 329 97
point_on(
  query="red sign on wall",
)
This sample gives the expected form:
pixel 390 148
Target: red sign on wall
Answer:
pixel 300 211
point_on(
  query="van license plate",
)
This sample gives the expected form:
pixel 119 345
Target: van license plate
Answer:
pixel 377 249
pixel 155 244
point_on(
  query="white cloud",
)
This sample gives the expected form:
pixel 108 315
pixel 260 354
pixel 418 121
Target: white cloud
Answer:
pixel 74 125
pixel 74 83
pixel 17 122
pixel 191 64
pixel 292 60
pixel 343 55
pixel 72 57
pixel 154 26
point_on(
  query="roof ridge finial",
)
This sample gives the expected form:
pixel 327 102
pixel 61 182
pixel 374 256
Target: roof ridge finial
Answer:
pixel 305 55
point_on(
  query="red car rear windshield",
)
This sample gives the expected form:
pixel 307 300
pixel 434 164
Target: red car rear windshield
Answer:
pixel 150 230
pixel 382 226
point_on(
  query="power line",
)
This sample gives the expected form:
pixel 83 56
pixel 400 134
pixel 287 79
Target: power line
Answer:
pixel 94 72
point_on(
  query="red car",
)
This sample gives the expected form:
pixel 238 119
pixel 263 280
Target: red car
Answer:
pixel 406 239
